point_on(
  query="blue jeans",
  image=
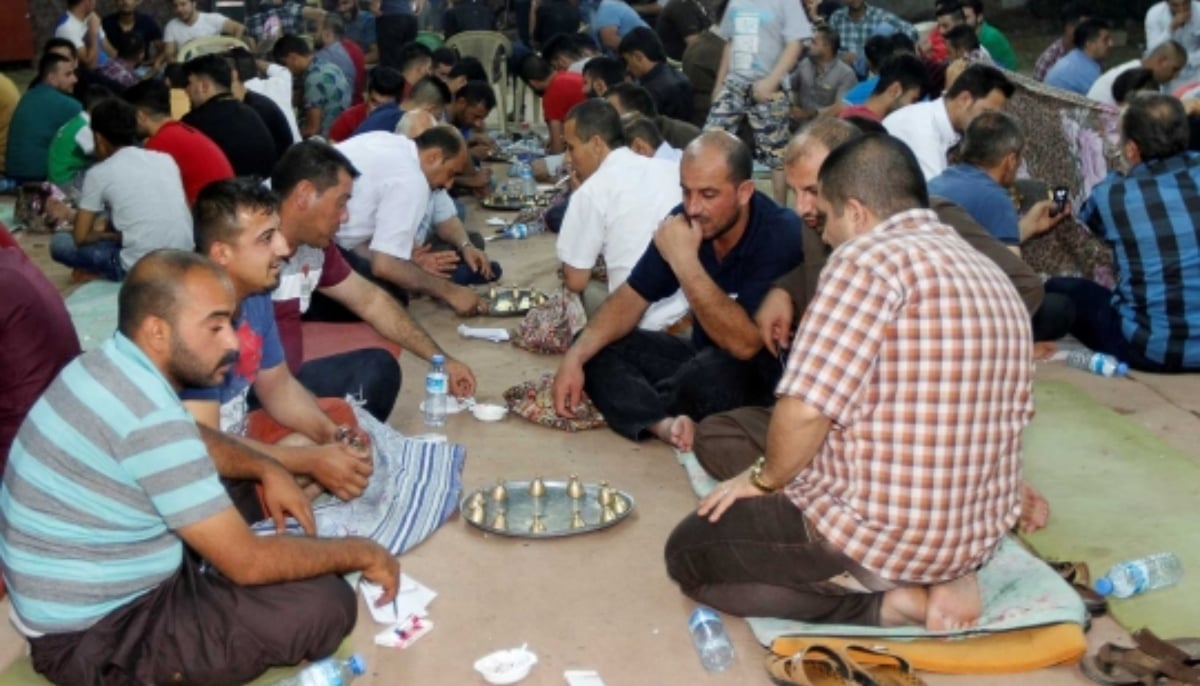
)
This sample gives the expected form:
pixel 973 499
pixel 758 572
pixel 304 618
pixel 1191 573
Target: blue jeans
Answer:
pixel 101 257
pixel 1096 323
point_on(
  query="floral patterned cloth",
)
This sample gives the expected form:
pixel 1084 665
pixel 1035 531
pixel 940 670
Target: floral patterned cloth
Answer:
pixel 550 327
pixel 534 400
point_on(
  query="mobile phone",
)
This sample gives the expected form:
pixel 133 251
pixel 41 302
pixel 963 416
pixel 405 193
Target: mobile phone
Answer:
pixel 1060 199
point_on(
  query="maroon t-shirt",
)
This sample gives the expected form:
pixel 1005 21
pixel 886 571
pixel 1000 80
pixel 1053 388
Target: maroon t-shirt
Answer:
pixel 37 340
pixel 306 271
pixel 199 159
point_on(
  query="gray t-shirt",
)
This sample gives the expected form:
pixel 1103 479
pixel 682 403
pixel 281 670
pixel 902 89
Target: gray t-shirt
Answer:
pixel 143 194
pixel 759 29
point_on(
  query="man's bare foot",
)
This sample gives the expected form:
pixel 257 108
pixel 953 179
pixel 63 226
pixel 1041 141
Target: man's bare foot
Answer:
pixel 904 606
pixel 1035 509
pixel 954 605
pixel 678 432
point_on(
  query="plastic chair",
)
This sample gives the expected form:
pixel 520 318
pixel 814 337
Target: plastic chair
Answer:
pixel 492 49
pixel 207 46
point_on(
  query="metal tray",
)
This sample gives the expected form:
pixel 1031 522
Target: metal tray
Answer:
pixel 504 203
pixel 555 509
pixel 511 302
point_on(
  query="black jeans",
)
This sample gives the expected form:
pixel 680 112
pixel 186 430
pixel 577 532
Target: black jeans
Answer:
pixel 201 628
pixel 648 376
pixel 760 559
pixel 1053 318
pixel 371 374
pixel 1097 324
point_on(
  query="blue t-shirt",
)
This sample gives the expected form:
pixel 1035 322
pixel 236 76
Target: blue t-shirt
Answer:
pixel 769 248
pixel 1075 72
pixel 614 13
pixel 986 201
pixel 859 94
pixel 382 118
pixel 258 348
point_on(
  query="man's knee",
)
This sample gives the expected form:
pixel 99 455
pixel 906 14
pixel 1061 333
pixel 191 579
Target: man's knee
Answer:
pixel 725 446
pixel 376 378
pixel 326 609
pixel 679 551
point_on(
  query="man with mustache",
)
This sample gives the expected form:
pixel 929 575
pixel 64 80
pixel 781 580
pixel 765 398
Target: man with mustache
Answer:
pixel 723 247
pixel 237 226
pixel 96 512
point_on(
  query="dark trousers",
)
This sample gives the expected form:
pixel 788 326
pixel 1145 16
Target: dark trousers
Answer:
pixel 1096 323
pixel 1053 317
pixel 370 374
pixel 200 628
pixel 648 376
pixel 727 443
pixel 760 559
pixel 393 32
pixel 326 309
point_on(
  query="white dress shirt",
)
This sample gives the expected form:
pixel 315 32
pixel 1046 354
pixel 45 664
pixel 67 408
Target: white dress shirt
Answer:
pixel 614 213
pixel 925 128
pixel 278 87
pixel 390 195
pixel 666 152
pixel 1101 90
pixel 1158 29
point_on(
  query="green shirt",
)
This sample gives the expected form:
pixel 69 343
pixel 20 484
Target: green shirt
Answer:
pixel 40 114
pixel 66 159
pixel 998 47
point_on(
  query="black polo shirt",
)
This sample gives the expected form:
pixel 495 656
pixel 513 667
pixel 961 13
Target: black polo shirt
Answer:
pixel 239 132
pixel 274 118
pixel 768 249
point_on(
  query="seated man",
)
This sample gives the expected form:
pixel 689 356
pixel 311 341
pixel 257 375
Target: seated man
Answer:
pixel 236 128
pixel 360 28
pixel 1177 20
pixel 468 112
pixel 276 18
pixel 314 181
pixel 723 247
pixel 647 62
pixel 134 605
pixel 428 94
pixel 902 80
pixel 140 191
pixel 198 158
pixel 243 68
pixel 616 209
pixel 1069 17
pixel 857 21
pixel 820 80
pixel 342 53
pixel 39 114
pixel 881 491
pixel 237 226
pixel 415 63
pixel 560 91
pixel 644 138
pixel 326 91
pixel 390 198
pixel 190 24
pixel 1165 61
pixel 1079 69
pixel 127 21
pixel 612 20
pixel 630 99
pixel 930 128
pixel 384 87
pixel 1151 320
pixel 73 148
pixel 601 74
pixel 993 41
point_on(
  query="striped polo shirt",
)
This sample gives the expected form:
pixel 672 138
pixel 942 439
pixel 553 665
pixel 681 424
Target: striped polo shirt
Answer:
pixel 105 468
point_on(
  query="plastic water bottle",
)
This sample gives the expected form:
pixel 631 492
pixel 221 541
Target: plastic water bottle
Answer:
pixel 1097 363
pixel 328 672
pixel 710 639
pixel 1138 576
pixel 525 174
pixel 436 388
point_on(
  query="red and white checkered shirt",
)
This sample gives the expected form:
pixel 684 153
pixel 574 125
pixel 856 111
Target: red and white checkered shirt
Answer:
pixel 919 350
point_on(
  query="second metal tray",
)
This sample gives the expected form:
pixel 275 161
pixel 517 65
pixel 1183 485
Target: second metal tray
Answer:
pixel 554 514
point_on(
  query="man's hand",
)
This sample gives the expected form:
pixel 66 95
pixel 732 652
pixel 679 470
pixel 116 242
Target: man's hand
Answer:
pixel 384 570
pixel 341 470
pixel 441 263
pixel 1041 218
pixel 774 320
pixel 281 497
pixel 1178 21
pixel 765 90
pixel 849 58
pixel 461 378
pixel 677 240
pixel 465 302
pixel 568 388
pixel 478 261
pixel 726 494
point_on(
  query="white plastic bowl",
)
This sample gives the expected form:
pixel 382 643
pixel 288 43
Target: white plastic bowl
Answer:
pixel 506 666
pixel 487 412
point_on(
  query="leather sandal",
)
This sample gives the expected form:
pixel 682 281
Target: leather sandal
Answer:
pixel 1080 577
pixel 1151 663
pixel 815 665
pixel 886 668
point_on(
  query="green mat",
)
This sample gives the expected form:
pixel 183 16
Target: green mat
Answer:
pixel 1116 491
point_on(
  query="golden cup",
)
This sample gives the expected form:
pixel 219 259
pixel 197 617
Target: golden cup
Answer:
pixel 500 523
pixel 608 515
pixel 537 487
pixel 538 526
pixel 605 496
pixel 575 487
pixel 475 514
pixel 577 520
pixel 499 493
pixel 620 505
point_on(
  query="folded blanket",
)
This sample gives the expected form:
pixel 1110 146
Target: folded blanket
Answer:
pixel 414 489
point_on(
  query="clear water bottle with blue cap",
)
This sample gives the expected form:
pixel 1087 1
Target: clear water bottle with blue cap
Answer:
pixel 331 671
pixel 525 174
pixel 437 385
pixel 1144 574
pixel 711 641
pixel 1097 363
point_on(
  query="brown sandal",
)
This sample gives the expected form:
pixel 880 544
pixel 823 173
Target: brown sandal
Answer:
pixel 886 668
pixel 815 665
pixel 1153 661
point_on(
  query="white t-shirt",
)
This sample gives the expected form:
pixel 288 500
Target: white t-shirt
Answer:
pixel 206 24
pixel 1101 90
pixel 74 29
pixel 143 194
pixel 926 129
pixel 667 153
pixel 615 213
pixel 278 87
pixel 390 195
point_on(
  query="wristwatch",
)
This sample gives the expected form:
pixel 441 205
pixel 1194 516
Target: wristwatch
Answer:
pixel 464 245
pixel 756 476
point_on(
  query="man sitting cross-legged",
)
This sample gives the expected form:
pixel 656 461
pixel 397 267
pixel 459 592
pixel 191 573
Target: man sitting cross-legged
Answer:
pixel 237 226
pixel 314 181
pixel 723 247
pixel 103 518
pixel 893 461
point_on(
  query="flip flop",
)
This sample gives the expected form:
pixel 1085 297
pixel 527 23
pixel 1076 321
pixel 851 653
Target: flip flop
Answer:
pixel 1152 662
pixel 887 669
pixel 815 665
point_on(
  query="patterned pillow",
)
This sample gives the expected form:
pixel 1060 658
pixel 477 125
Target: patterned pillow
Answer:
pixel 534 400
